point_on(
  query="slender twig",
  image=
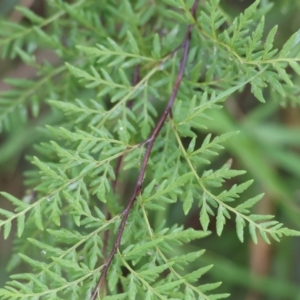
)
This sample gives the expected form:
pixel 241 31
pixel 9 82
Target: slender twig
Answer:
pixel 135 80
pixel 151 140
pixel 108 215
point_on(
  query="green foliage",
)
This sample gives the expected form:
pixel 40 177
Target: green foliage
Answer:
pixel 115 74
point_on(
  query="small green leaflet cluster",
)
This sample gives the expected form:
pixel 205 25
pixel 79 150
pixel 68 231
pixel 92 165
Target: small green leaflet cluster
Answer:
pixel 106 100
pixel 21 41
pixel 147 259
pixel 245 50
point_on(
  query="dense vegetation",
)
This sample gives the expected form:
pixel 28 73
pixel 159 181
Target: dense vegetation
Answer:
pixel 143 115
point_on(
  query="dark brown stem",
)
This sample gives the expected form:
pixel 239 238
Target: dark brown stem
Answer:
pixel 151 140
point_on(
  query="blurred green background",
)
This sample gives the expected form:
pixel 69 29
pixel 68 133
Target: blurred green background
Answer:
pixel 268 147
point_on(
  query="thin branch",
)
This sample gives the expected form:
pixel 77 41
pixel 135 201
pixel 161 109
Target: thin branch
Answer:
pixel 135 80
pixel 108 215
pixel 151 140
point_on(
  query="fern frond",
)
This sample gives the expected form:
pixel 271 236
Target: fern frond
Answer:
pixel 134 84
pixel 219 201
